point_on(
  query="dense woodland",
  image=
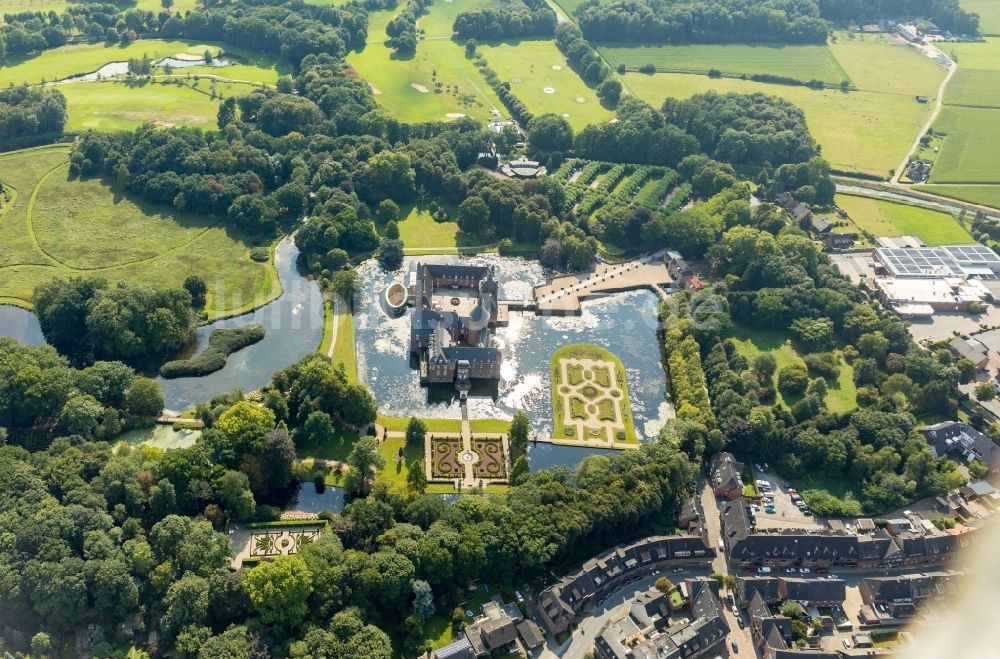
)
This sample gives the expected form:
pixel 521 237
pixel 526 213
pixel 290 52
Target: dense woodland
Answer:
pixel 505 19
pixel 753 21
pixel 26 111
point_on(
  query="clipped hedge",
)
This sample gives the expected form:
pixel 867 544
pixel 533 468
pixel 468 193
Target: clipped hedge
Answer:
pixel 285 523
pixel 221 344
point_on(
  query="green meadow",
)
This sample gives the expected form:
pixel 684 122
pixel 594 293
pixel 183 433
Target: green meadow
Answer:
pixel 974 87
pixel 59 226
pixel 440 16
pixel 989 14
pixel 67 61
pixel 886 218
pixel 798 62
pixel 117 105
pixel 16 6
pixel 970 148
pixel 533 66
pixel 988 195
pixel 436 84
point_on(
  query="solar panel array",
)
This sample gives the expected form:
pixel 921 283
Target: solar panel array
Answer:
pixel 946 261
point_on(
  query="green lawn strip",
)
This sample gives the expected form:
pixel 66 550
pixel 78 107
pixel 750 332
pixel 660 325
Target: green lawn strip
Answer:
pixel 974 88
pixel 406 87
pixel 799 62
pixel 74 59
pixel 528 66
pixel 972 140
pixel 328 323
pixel 398 424
pixel 344 352
pixel 860 131
pixel 578 406
pixel 750 342
pixel 440 17
pixel 882 217
pixel 988 195
pixel 419 230
pixel 983 55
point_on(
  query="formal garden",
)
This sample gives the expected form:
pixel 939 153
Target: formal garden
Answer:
pixel 446 459
pixel 271 542
pixel 492 461
pixel 590 395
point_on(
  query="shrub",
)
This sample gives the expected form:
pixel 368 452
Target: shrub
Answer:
pixel 793 380
pixel 823 364
pixel 260 254
pixel 647 68
pixel 221 344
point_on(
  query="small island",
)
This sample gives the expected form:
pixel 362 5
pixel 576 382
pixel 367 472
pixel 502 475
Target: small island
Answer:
pixel 221 344
pixel 590 396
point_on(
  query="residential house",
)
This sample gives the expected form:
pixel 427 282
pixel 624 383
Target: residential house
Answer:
pixel 726 476
pixel 838 241
pixel 531 634
pixel 962 442
pixel 972 349
pixel 815 592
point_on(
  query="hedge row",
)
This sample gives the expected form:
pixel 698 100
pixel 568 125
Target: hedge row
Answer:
pixel 687 378
pixel 221 344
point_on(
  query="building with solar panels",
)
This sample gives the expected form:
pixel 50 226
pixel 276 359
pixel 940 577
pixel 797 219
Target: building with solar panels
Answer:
pixel 918 280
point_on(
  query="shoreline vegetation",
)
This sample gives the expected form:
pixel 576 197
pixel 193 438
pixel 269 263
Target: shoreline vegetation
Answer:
pixel 222 343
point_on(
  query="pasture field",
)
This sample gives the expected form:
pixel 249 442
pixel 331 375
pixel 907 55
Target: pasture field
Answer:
pixel 63 227
pixel 841 394
pixel 406 87
pixel 15 6
pixel 886 218
pixel 974 87
pixel 440 16
pixel 976 54
pixel 883 64
pixel 528 67
pixel 971 144
pixel 859 131
pixel 987 195
pixel 116 105
pixel 989 14
pixel 66 61
pixel 798 62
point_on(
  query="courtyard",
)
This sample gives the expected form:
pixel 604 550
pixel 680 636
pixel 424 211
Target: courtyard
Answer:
pixel 590 395
pixel 473 460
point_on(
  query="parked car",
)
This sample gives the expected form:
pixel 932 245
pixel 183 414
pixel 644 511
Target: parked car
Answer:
pixel 832 576
pixel 739 621
pixel 822 570
pixel 769 509
pixel 655 572
pixel 763 570
pixel 678 569
pixel 758 467
pixel 736 648
pixel 791 490
pixel 847 644
pixel 807 512
pixel 736 612
pixel 791 570
pixel 519 597
pixel 804 570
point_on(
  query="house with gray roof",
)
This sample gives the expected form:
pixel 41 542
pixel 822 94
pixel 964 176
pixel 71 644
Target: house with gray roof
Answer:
pixel 726 476
pixel 962 442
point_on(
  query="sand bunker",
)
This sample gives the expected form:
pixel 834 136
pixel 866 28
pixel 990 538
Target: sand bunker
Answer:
pixel 549 90
pixel 420 88
pixel 580 99
pixel 375 90
pixel 454 115
pixel 188 57
pixel 556 67
pixel 566 115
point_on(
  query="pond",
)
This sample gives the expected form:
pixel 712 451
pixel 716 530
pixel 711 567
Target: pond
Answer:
pixel 175 63
pixel 294 328
pixel 160 436
pixel 624 323
pixel 310 500
pixel 20 324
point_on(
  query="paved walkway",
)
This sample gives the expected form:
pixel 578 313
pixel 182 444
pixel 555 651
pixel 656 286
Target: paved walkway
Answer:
pixel 563 295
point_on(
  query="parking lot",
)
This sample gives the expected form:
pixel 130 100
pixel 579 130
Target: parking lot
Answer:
pixel 786 514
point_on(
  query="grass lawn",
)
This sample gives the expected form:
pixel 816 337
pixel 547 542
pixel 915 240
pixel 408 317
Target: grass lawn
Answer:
pixel 859 131
pixel 113 105
pixel 406 87
pixel 419 230
pixel 397 423
pixel 440 16
pixel 336 449
pixel 395 470
pixel 841 395
pixel 887 218
pixel 344 352
pixel 527 66
pixel 975 87
pixel 988 195
pixel 981 55
pixel 971 144
pixel 880 63
pixel 61 227
pixel 799 62
pixel 66 61
pixel 58 6
pixel 989 14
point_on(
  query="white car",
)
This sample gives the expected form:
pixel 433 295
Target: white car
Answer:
pixel 736 612
pixel 832 576
pixel 804 570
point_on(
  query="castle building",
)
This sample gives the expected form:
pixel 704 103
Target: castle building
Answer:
pixel 451 329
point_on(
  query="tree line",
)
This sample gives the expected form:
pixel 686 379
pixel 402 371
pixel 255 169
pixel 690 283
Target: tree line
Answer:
pixel 505 20
pixel 946 14
pixel 26 111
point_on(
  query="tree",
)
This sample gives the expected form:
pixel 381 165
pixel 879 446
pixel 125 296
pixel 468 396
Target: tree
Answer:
pixel 167 4
pixel 186 603
pixel 416 479
pixel 242 429
pixel 610 91
pixel 978 469
pixel 519 471
pixel 233 489
pixel 520 427
pixel 234 643
pixel 985 391
pixel 227 112
pixel 416 431
pixel 41 645
pixel 344 283
pixel 82 415
pixel 663 585
pixel 317 431
pixel 387 211
pixel 474 217
pixel 363 460
pixel 793 380
pixel 195 285
pixel 470 47
pixel 550 132
pixel 279 591
pixel 390 254
pixel 144 399
pixel 423 599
